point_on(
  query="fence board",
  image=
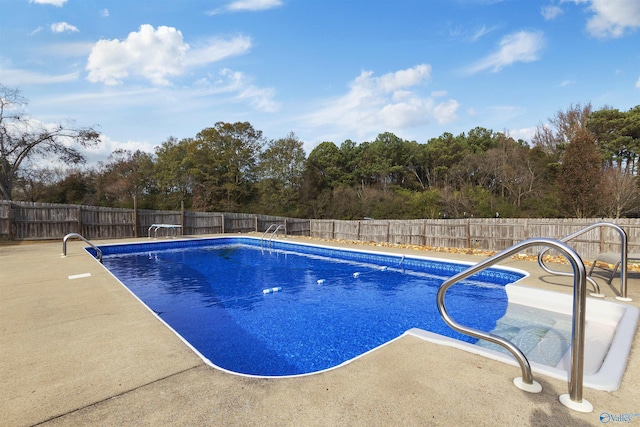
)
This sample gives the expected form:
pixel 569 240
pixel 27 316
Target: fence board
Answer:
pixel 147 217
pixel 5 220
pixel 107 223
pixel 197 223
pixel 31 221
pixel 240 223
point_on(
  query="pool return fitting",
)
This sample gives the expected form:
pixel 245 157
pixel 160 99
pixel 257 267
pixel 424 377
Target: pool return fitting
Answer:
pixel 573 400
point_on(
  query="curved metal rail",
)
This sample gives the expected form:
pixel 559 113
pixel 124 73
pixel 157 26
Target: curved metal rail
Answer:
pixel 574 399
pixel 623 256
pixel 265 233
pixel 278 227
pixel 274 233
pixel 70 235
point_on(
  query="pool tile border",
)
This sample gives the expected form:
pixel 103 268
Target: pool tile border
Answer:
pixel 445 269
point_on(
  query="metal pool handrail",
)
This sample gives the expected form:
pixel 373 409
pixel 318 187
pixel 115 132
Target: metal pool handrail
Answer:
pixel 623 256
pixel 265 233
pixel 574 399
pixel 70 235
pixel 278 227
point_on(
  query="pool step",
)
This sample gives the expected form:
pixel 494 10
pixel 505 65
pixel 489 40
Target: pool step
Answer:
pixel 553 346
pixel 540 344
pixel 597 340
pixel 543 340
pixel 548 341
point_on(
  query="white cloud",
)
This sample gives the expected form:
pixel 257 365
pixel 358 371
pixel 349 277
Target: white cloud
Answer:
pixel 61 27
pixel 247 6
pixel 445 112
pixel 18 77
pixel 525 134
pixel 468 35
pixel 254 4
pixel 523 46
pixel 36 31
pixel 403 78
pixel 638 83
pixel 439 93
pixel 107 146
pixel 64 50
pixel 156 55
pixel 216 49
pixel 387 103
pixel 241 87
pixel 58 3
pixel 551 12
pixel 613 18
pixel 481 33
pixel 104 13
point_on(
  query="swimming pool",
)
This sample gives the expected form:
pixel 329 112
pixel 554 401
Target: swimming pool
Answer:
pixel 294 309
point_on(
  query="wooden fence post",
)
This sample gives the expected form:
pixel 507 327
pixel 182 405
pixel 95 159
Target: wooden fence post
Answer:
pixel 424 232
pixel 182 221
pixel 80 230
pixel 135 216
pixel 468 231
pixel 11 233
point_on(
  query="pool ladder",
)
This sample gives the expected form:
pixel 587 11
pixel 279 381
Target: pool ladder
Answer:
pixel 623 259
pixel 277 227
pixel 70 235
pixel 572 400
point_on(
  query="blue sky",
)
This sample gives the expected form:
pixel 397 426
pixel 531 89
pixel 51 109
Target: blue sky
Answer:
pixel 327 70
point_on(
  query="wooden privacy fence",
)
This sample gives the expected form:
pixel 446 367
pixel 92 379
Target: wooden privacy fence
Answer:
pixel 42 221
pixel 482 233
pixel 39 221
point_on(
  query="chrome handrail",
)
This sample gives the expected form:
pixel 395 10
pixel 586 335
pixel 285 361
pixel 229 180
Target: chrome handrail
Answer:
pixel 574 399
pixel 274 233
pixel 265 233
pixel 623 256
pixel 593 283
pixel 81 237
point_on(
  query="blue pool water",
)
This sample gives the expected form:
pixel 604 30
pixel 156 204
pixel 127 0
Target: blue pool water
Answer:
pixel 330 305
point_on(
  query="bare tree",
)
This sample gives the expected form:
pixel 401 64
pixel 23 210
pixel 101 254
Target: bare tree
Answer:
pixel 23 138
pixel 561 130
pixel 620 192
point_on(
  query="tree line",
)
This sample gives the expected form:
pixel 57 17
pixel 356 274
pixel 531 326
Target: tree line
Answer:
pixel 581 163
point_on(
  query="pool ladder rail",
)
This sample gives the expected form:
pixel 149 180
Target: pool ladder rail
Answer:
pixel 573 400
pixel 272 226
pixel 623 259
pixel 79 236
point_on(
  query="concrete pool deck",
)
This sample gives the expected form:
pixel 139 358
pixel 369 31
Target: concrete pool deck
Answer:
pixel 76 348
